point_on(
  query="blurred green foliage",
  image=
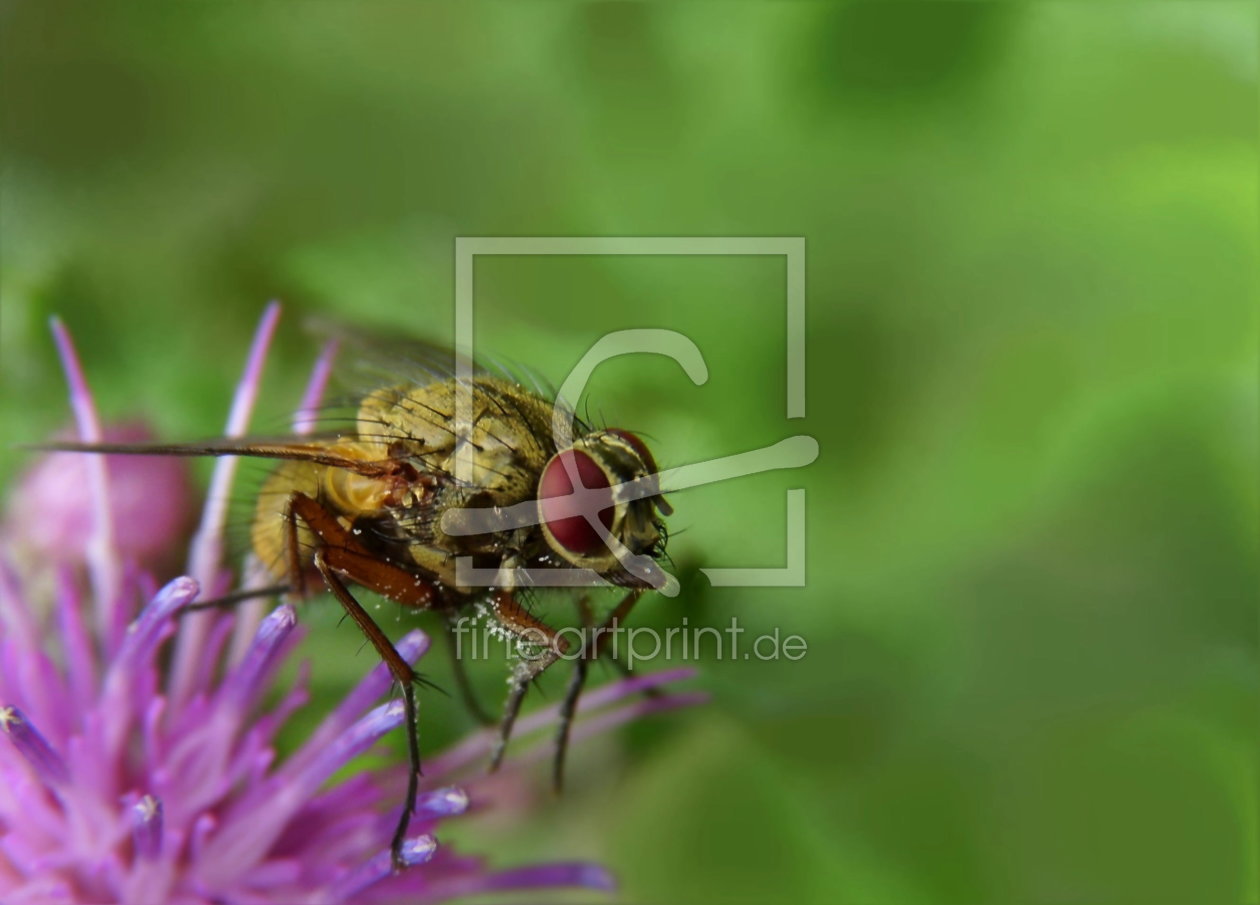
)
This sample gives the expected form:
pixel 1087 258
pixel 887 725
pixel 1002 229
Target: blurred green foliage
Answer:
pixel 1031 228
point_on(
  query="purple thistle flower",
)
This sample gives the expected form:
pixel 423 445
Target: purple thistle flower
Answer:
pixel 134 774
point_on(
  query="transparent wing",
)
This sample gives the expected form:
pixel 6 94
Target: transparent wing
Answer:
pixel 369 360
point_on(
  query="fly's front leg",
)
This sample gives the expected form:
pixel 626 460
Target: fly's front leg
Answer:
pixel 550 647
pixel 588 620
pixel 337 555
pixel 593 645
pixel 521 623
pixel 568 705
pixel 614 620
pixel 568 708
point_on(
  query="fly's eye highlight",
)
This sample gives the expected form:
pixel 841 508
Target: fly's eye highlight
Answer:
pixel 564 511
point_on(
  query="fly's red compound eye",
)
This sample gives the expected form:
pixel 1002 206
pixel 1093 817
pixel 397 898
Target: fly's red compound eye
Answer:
pixel 637 445
pixel 565 512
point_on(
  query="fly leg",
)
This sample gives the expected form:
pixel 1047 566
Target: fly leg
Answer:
pixel 297 585
pixel 624 668
pixel 337 555
pixel 593 645
pixel 227 601
pixel 568 705
pixel 347 556
pixel 405 676
pixel 530 630
pixel 466 693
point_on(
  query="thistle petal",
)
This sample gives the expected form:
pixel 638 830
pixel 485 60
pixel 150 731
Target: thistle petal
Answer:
pixel 46 762
pixel 206 550
pixel 101 563
pixel 416 851
pixel 146 826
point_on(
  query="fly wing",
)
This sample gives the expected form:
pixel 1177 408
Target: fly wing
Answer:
pixel 377 359
pixel 373 363
pixel 368 359
pixel 304 451
pixel 367 363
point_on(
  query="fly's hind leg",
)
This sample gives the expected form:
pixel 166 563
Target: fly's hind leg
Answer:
pixel 406 678
pixel 339 555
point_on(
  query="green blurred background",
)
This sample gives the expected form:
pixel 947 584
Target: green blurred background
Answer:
pixel 1031 233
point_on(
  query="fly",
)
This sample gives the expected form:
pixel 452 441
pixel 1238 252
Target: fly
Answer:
pixel 389 505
